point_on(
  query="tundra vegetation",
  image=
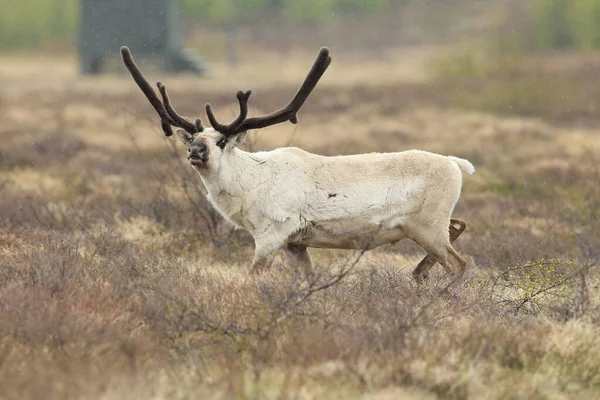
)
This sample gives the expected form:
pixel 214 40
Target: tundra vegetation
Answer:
pixel 117 280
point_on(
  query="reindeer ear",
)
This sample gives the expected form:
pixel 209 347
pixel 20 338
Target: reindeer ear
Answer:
pixel 239 139
pixel 185 137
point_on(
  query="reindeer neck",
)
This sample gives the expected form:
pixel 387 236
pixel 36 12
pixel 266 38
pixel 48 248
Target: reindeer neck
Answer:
pixel 235 176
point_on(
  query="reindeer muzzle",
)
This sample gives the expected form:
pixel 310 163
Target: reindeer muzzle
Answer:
pixel 198 154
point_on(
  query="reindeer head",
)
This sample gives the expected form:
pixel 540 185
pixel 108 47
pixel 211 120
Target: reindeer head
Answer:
pixel 207 145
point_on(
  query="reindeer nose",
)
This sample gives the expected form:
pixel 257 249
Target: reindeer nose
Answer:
pixel 197 148
pixel 197 151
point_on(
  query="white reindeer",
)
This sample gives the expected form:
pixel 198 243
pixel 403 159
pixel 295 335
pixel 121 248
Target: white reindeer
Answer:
pixel 290 199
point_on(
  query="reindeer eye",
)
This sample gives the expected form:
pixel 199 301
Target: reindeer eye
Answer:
pixel 222 142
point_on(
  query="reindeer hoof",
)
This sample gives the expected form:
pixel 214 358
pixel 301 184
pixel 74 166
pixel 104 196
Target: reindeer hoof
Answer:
pixel 420 278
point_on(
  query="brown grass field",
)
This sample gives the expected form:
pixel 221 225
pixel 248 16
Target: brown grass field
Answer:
pixel 117 281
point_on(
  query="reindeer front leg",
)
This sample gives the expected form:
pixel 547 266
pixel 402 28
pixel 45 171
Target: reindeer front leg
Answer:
pixel 299 258
pixel 274 237
pixel 264 253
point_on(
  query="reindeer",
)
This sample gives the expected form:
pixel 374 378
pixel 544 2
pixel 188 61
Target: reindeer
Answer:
pixel 289 199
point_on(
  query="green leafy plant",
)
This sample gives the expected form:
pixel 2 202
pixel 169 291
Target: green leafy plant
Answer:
pixel 526 286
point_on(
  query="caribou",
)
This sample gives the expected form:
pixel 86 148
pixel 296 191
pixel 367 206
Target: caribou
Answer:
pixel 291 200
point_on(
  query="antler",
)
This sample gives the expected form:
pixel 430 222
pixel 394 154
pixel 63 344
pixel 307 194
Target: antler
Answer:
pixel 288 113
pixel 232 127
pixel 182 122
pixel 169 117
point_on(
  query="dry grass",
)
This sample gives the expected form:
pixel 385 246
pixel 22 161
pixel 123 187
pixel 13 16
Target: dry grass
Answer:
pixel 118 281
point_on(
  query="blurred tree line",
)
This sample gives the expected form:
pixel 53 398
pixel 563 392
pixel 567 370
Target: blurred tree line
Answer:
pixel 32 23
pixel 559 24
pixel 553 24
pixel 35 23
pixel 311 10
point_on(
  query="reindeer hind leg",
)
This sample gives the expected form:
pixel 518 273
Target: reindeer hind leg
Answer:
pixel 421 272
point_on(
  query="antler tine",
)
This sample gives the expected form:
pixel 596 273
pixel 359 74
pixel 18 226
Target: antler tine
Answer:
pixel 166 127
pixel 146 88
pixel 180 121
pixel 232 128
pixel 288 113
pixel 310 82
pixel 199 126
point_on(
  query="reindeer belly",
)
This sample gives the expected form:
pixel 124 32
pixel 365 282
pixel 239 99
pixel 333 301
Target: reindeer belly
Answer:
pixel 347 234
